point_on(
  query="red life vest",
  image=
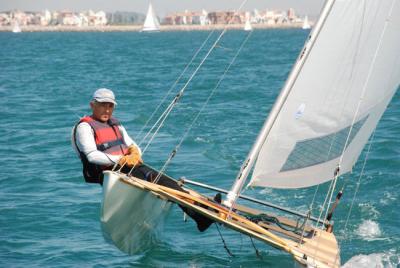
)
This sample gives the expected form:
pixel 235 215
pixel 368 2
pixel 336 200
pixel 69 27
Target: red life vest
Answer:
pixel 108 139
pixel 107 135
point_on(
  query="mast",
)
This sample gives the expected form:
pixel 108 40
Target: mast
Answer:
pixel 252 156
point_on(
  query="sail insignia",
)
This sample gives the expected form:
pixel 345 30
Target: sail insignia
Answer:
pixel 308 152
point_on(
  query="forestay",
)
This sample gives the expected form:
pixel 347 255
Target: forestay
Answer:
pixel 337 92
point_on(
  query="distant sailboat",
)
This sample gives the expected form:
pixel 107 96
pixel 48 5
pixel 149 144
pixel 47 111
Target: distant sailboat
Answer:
pixel 16 28
pixel 247 25
pixel 306 24
pixel 151 23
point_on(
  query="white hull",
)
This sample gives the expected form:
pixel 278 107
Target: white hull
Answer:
pixel 150 30
pixel 247 26
pixel 16 29
pixel 130 217
pixel 306 24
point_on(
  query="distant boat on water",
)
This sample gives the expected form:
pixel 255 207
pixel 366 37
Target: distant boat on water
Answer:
pixel 16 28
pixel 151 23
pixel 306 24
pixel 247 25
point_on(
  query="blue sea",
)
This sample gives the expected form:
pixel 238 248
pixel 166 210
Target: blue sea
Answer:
pixel 49 217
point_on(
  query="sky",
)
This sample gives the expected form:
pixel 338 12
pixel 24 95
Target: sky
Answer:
pixel 162 7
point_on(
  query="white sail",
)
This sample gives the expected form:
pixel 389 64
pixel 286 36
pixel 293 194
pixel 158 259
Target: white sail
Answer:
pixel 247 25
pixel 151 23
pixel 16 28
pixel 306 24
pixel 338 90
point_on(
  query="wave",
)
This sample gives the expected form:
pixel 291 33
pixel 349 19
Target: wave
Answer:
pixel 377 260
pixel 369 230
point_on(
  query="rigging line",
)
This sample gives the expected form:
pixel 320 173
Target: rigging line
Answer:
pixel 206 102
pixel 223 241
pixel 328 204
pixel 172 87
pixel 313 200
pixel 159 127
pixel 358 43
pixel 357 188
pixel 304 227
pixel 323 205
pixel 205 57
pixel 157 122
pixel 365 86
pixel 345 97
pixel 257 251
pixel 359 180
pixel 174 102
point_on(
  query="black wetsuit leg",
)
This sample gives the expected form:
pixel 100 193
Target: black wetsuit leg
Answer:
pixel 145 173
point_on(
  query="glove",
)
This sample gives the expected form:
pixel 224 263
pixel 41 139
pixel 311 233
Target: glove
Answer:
pixel 133 149
pixel 130 160
pixel 133 157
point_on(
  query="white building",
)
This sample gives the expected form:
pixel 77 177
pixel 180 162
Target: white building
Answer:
pixel 100 18
pixel 204 18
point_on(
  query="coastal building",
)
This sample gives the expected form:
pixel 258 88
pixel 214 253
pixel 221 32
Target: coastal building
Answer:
pixel 291 14
pixel 4 19
pixel 21 17
pixel 187 18
pixel 204 18
pixel 70 19
pixel 224 17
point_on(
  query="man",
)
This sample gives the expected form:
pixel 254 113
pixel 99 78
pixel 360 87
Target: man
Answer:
pixel 102 142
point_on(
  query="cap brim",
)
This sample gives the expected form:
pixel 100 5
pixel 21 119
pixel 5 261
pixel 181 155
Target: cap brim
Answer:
pixel 106 100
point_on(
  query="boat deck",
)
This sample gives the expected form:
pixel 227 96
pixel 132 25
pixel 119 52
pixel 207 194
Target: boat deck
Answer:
pixel 309 246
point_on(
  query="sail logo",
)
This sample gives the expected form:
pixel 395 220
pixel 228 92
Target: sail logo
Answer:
pixel 300 111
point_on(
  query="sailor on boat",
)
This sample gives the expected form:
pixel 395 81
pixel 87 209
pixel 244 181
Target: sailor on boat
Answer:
pixel 102 142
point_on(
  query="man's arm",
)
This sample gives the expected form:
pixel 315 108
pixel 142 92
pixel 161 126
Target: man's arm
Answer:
pixel 127 139
pixel 87 145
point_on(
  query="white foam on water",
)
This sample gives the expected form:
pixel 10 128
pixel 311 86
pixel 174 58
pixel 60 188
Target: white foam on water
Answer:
pixel 369 230
pixel 200 139
pixel 387 198
pixel 376 260
pixel 369 210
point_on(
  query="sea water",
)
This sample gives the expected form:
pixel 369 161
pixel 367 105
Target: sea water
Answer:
pixel 50 218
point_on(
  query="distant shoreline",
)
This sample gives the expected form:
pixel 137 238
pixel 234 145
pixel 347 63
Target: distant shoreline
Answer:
pixel 137 28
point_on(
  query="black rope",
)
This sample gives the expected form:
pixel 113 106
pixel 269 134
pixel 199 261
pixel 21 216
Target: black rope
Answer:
pixel 254 246
pixel 223 241
pixel 266 218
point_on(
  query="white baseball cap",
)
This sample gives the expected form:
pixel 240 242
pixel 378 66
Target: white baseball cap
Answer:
pixel 104 95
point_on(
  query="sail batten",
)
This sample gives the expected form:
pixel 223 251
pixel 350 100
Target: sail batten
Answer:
pixel 340 92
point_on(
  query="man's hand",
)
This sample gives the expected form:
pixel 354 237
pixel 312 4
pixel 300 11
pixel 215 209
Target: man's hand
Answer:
pixel 133 149
pixel 132 159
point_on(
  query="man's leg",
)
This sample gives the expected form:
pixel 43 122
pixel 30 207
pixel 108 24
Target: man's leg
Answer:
pixel 145 173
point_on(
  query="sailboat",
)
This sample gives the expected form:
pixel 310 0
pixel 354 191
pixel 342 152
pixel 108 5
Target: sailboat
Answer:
pixel 16 28
pixel 334 96
pixel 151 23
pixel 247 25
pixel 306 24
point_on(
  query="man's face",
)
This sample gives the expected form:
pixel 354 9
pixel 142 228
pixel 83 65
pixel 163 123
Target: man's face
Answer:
pixel 102 111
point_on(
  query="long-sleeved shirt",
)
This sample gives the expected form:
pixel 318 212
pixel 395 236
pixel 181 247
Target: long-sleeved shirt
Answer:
pixel 86 144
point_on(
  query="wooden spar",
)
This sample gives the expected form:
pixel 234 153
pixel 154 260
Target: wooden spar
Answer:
pixel 304 252
pixel 248 198
pixel 221 216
